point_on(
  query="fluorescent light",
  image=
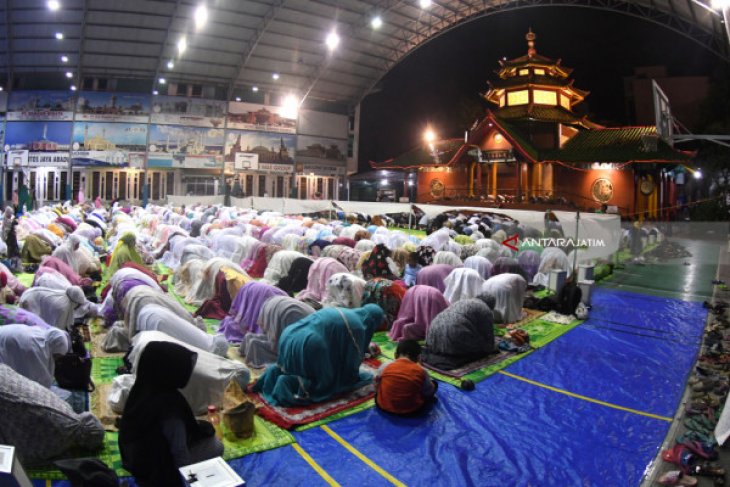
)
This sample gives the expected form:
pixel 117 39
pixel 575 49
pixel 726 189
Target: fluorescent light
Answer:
pixel 53 5
pixel 238 98
pixel 275 76
pixel 290 107
pixel 376 23
pixel 254 89
pixel 69 74
pixel 182 44
pixel 59 35
pixel 424 3
pixel 332 40
pixel 201 16
pixel 170 64
pixel 64 59
pixel 162 81
pixel 73 87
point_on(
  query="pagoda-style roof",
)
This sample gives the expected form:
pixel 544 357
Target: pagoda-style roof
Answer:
pixel 536 61
pixel 621 144
pixel 542 113
pixel 536 80
pixel 421 156
pixel 612 145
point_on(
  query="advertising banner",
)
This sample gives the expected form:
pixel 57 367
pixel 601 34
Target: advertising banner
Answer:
pixel 250 116
pixel 269 148
pixel 176 146
pixel 41 105
pixel 318 149
pixel 97 106
pixel 38 136
pixel 193 112
pixel 107 144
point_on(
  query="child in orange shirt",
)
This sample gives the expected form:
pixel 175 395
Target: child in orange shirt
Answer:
pixel 403 386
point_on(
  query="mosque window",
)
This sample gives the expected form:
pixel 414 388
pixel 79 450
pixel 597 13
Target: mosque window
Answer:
pixel 565 102
pixel 545 97
pixel 520 97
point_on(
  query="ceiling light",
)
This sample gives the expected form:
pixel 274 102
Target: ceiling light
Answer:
pixel 254 89
pixel 162 81
pixel 275 76
pixel 69 74
pixel 376 23
pixel 182 44
pixel 332 40
pixel 64 59
pixel 201 16
pixel 424 3
pixel 155 92
pixel 53 5
pixel 238 98
pixel 290 107
pixel 59 35
pixel 429 136
pixel 170 64
pixel 73 87
pixel 720 4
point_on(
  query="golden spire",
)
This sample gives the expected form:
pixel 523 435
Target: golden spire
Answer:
pixel 531 36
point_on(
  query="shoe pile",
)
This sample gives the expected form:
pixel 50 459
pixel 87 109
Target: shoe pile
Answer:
pixel 696 448
pixel 667 250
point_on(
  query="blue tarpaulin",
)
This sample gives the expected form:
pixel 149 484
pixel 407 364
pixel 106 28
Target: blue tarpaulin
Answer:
pixel 634 352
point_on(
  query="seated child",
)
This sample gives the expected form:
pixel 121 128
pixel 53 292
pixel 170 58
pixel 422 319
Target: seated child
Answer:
pixel 403 386
pixel 412 270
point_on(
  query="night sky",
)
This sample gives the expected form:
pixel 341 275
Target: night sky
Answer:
pixel 430 85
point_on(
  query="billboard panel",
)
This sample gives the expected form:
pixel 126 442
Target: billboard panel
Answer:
pixel 41 105
pixel 194 112
pixel 176 146
pixel 113 107
pixel 250 116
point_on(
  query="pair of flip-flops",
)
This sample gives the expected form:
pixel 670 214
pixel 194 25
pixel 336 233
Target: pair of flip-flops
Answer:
pixel 677 477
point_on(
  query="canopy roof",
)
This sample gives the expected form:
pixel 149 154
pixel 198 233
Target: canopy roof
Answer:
pixel 245 41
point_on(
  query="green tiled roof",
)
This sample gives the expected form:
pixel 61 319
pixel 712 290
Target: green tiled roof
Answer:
pixel 624 144
pixel 421 156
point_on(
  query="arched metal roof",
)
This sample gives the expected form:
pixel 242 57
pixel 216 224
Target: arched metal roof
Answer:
pixel 245 41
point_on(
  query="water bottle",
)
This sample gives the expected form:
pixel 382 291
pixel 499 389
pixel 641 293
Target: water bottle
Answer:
pixel 214 418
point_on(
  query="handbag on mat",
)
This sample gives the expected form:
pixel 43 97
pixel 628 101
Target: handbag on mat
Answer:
pixel 73 372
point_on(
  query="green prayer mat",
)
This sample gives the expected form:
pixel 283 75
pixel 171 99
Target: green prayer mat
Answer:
pixel 212 325
pixel 104 369
pixel 109 455
pixel 363 406
pixel 541 333
pixel 267 436
pixel 26 279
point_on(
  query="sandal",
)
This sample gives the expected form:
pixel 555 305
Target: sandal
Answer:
pixel 703 449
pixel 676 477
pixel 707 469
pixel 679 455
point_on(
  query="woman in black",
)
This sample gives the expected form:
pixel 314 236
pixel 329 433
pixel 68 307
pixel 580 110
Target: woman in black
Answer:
pixel 158 432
